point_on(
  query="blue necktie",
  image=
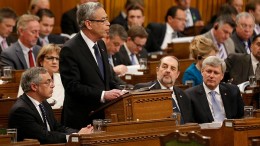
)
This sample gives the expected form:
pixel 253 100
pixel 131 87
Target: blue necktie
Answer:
pixel 43 114
pixel 247 47
pixel 219 117
pixel 176 109
pixel 133 59
pixel 99 60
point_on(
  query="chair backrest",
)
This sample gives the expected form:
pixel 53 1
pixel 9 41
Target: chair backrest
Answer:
pixel 178 138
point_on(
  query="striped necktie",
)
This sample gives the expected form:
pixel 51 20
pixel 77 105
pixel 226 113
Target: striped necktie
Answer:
pixel 218 115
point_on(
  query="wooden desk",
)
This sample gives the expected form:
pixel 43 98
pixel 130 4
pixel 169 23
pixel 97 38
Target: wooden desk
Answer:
pixel 5 106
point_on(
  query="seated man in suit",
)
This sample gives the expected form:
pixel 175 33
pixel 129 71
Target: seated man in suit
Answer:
pixel 242 37
pixel 33 116
pixel 46 26
pixel 167 73
pixel 7 22
pixel 220 35
pixel 175 21
pixel 132 50
pixel 213 101
pixel 22 54
pixel 241 66
pixel 253 7
pixel 192 14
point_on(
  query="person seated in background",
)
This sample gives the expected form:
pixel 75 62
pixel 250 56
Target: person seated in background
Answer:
pixel 46 26
pixel 167 72
pixel 7 22
pixel 253 7
pixel 238 4
pixel 36 5
pixel 200 48
pixel 241 66
pixel 48 58
pixel 133 48
pixel 32 116
pixel 22 54
pixel 69 24
pixel 220 35
pixel 192 14
pixel 213 101
pixel 175 21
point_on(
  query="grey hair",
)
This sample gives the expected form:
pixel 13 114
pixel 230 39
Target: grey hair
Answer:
pixel 244 14
pixel 118 30
pixel 86 12
pixel 215 62
pixel 31 75
pixel 25 19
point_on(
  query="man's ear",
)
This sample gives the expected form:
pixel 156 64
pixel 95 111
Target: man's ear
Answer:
pixel 88 24
pixel 34 87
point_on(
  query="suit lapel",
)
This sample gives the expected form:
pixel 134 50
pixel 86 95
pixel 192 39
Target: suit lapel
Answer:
pixel 224 96
pixel 202 97
pixel 20 55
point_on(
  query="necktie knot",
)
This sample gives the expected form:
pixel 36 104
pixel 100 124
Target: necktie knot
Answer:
pixel 174 35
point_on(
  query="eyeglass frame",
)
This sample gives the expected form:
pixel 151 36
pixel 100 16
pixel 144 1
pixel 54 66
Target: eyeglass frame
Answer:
pixel 48 82
pixel 102 21
pixel 138 45
pixel 51 58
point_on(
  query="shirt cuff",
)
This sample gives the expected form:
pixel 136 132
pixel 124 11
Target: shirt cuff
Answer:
pixel 102 97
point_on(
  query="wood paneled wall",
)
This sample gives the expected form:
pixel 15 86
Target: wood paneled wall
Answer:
pixel 155 10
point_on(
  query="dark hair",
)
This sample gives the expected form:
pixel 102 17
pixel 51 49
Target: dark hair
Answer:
pixel 7 13
pixel 251 5
pixel 117 30
pixel 227 9
pixel 226 19
pixel 139 3
pixel 255 37
pixel 137 31
pixel 135 7
pixel 172 12
pixel 44 12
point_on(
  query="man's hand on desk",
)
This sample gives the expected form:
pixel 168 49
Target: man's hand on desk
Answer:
pixel 86 130
pixel 120 69
pixel 113 94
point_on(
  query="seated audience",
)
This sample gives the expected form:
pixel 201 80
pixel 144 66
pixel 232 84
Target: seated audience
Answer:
pixel 220 35
pixel 213 101
pixel 133 48
pixel 36 5
pixel 241 66
pixel 242 37
pixel 46 26
pixel 7 22
pixel 22 54
pixel 33 116
pixel 200 48
pixel 48 58
pixel 167 73
pixel 175 21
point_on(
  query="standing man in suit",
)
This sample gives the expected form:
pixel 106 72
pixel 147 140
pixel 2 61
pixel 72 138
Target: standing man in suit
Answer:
pixel 33 116
pixel 85 70
pixel 242 37
pixel 220 35
pixel 7 22
pixel 167 73
pixel 213 101
pixel 175 23
pixel 241 66
pixel 46 26
pixel 22 54
pixel 36 5
pixel 133 48
pixel 192 14
pixel 69 24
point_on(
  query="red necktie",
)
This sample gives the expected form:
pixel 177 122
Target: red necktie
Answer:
pixel 31 62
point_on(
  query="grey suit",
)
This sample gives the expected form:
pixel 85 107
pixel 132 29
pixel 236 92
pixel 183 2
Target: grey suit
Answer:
pixel 240 46
pixel 239 67
pixel 228 44
pixel 13 56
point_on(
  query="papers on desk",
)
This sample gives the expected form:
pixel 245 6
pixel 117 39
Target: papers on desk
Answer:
pixel 182 39
pixel 213 125
pixel 133 69
pixel 1 81
pixel 242 87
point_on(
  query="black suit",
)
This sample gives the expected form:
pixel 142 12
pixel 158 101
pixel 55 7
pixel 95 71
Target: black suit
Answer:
pixel 122 57
pixel 69 23
pixel 82 81
pixel 54 39
pixel 25 117
pixel 239 44
pixel 119 19
pixel 231 98
pixel 184 102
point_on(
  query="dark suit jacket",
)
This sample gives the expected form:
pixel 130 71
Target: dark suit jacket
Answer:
pixel 25 117
pixel 195 14
pixel 239 45
pixel 184 102
pixel 232 101
pixel 82 81
pixel 119 19
pixel 158 32
pixel 239 67
pixel 122 57
pixel 69 23
pixel 13 56
pixel 54 39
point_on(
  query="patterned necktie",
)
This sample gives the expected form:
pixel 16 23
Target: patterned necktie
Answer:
pixel 4 44
pixel 219 117
pixel 31 62
pixel 99 60
pixel 221 52
pixel 257 71
pixel 133 59
pixel 43 111
pixel 247 47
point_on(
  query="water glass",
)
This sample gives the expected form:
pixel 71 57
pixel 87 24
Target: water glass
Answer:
pixel 177 117
pixel 252 81
pixel 248 112
pixel 98 125
pixel 143 63
pixel 7 73
pixel 13 133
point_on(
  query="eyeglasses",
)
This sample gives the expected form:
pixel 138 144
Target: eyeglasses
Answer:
pixel 244 26
pixel 102 21
pixel 51 58
pixel 180 19
pixel 48 82
pixel 138 45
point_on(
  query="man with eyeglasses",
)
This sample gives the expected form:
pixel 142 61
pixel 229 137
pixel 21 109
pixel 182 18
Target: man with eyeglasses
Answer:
pixel 175 21
pixel 85 70
pixel 132 50
pixel 242 37
pixel 22 54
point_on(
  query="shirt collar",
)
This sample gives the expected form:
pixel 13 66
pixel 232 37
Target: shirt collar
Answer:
pixel 24 48
pixel 169 29
pixel 35 102
pixel 207 90
pixel 127 50
pixel 1 39
pixel 89 42
pixel 163 87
